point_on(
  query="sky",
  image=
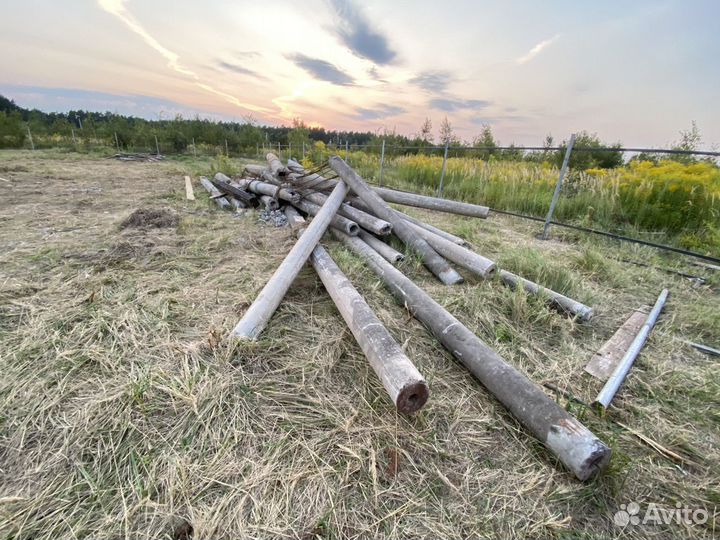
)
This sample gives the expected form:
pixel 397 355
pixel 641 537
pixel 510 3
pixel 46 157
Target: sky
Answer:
pixel 636 72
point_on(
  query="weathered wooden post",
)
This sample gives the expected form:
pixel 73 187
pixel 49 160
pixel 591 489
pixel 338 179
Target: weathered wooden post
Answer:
pixel 556 193
pixel 215 194
pixel 442 171
pixel 117 143
pixel 434 262
pixel 258 314
pixel 574 444
pixel 32 143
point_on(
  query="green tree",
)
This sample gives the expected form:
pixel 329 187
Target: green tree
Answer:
pixel 12 133
pixel 486 140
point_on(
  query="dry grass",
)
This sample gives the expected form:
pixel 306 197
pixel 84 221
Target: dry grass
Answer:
pixel 124 413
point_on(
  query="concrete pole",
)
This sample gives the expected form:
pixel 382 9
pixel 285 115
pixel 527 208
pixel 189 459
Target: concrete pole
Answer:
pixel 365 220
pixel 271 190
pixel 347 152
pixel 276 166
pixel 556 194
pixel 157 146
pixel 461 256
pixel 227 152
pixel 339 222
pixel 442 171
pixel 194 149
pixel 382 161
pixel 72 131
pixel 432 203
pixel 434 262
pixel 258 314
pixel 575 445
pixel 117 143
pixel 402 381
pixel 581 311
pixel 387 252
pixel 303 148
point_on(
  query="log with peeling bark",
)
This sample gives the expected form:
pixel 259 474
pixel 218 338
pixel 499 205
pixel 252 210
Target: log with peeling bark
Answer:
pixel 276 166
pixel 339 222
pixel 431 259
pixel 215 195
pixel 259 313
pixel 578 309
pixel 574 444
pixel 388 253
pixel 365 220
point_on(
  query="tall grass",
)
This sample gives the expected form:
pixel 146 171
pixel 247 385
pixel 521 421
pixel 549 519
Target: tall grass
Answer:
pixel 679 200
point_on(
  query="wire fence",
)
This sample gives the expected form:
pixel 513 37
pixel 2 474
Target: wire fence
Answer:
pixel 381 164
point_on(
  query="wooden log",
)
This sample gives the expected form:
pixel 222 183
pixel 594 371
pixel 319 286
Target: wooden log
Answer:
pixel 602 401
pixel 339 222
pixel 254 170
pixel 223 183
pixel 276 166
pixel 402 381
pixel 434 262
pixel 606 359
pixel 189 193
pixel 461 256
pixel 215 195
pixel 365 220
pixel 258 314
pixel 579 310
pixel 575 445
pixel 388 252
pixel 269 202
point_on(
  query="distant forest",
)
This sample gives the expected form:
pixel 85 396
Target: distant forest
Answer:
pixel 176 134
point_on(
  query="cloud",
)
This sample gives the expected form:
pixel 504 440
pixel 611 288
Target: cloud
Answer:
pixel 537 49
pixel 451 105
pixel 432 81
pixel 321 70
pixel 117 8
pixel 355 31
pixel 240 70
pixel 381 111
pixel 482 120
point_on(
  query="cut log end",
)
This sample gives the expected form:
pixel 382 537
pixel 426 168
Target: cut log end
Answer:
pixel 412 397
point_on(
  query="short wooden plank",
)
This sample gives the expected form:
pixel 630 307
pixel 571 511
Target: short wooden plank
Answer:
pixel 604 361
pixel 189 193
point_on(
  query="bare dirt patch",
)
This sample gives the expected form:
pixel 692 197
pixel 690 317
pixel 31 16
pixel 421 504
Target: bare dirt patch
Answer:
pixel 151 217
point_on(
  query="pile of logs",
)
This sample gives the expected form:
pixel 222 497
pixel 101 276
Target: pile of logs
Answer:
pixel 339 201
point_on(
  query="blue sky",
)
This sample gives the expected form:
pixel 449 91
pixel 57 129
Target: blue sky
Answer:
pixel 637 72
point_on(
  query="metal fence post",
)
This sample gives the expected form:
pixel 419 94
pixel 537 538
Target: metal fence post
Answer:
pixel 556 194
pixel 347 152
pixel 444 165
pixel 157 146
pixel 382 161
pixel 194 148
pixel 227 153
pixel 303 154
pixel 117 143
pixel 32 144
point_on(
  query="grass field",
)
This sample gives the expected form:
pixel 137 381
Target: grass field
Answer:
pixel 125 413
